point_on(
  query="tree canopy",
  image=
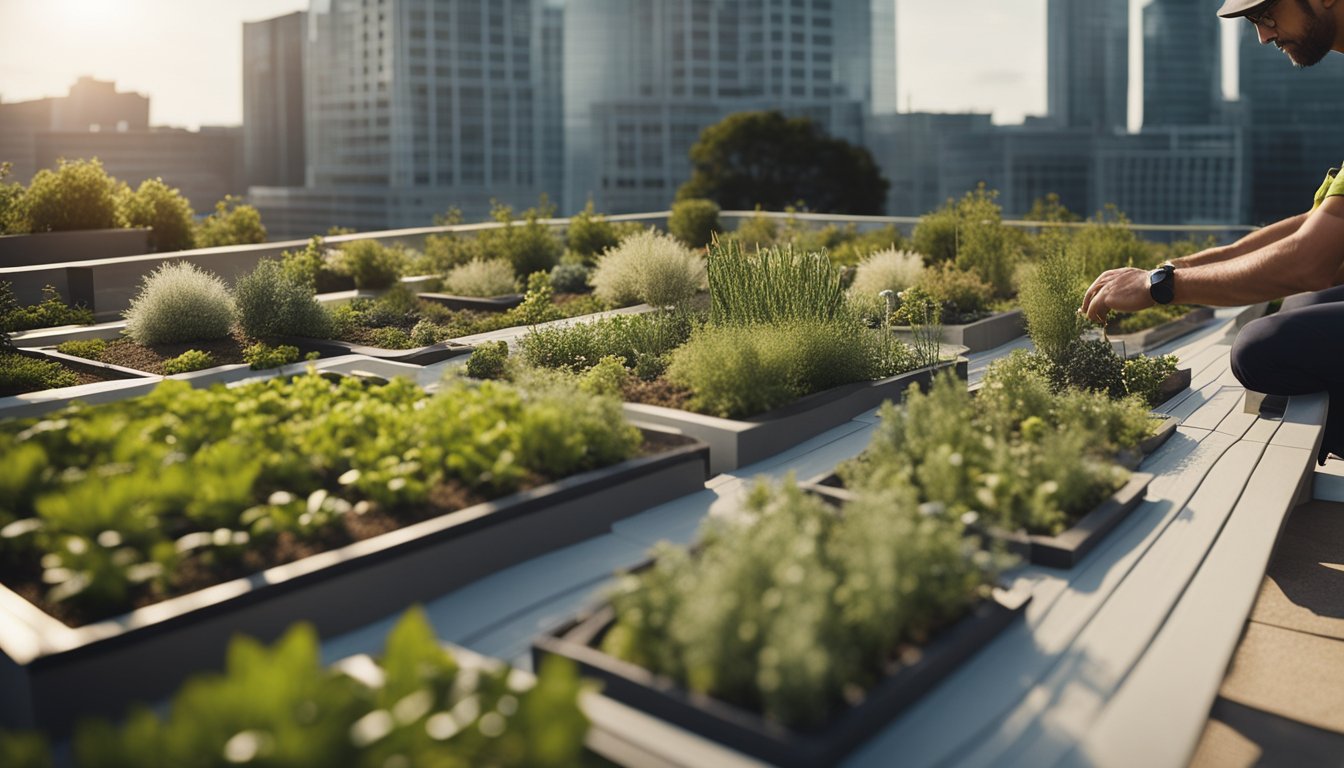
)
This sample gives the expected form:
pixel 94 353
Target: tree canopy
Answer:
pixel 767 159
pixel 165 211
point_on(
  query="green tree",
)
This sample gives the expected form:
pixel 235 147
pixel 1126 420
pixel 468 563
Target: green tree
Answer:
pixel 165 211
pixel 232 223
pixel 10 195
pixel 1050 209
pixel 767 159
pixel 77 195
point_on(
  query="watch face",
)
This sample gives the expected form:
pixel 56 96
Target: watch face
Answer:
pixel 1156 276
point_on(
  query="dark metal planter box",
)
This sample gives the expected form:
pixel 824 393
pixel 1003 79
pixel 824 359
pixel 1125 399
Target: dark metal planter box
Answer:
pixel 83 363
pixel 51 674
pixel 736 443
pixel 748 732
pixel 434 353
pixel 1173 385
pixel 1142 341
pixel 477 303
pixel 991 332
pixel 1062 551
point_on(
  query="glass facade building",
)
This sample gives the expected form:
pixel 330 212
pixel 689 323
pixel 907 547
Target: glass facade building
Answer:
pixel 273 117
pixel 1182 64
pixel 1087 64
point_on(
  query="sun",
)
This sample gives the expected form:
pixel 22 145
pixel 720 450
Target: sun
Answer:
pixel 86 13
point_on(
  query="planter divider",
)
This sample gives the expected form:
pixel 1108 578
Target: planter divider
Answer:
pixel 987 333
pixel 477 303
pixel 1141 341
pixel 427 355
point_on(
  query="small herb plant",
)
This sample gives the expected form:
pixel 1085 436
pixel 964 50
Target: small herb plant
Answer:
pixel 89 349
pixel 191 360
pixel 370 263
pixel 19 374
pixel 260 356
pixel 771 285
pixel 280 706
pixel 648 267
pixel 489 361
pixel 886 270
pixel 479 277
pixel 51 311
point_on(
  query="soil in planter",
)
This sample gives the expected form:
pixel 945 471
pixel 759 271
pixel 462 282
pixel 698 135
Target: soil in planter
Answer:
pixel 82 376
pixel 23 575
pixel 129 354
pixel 389 326
pixel 657 392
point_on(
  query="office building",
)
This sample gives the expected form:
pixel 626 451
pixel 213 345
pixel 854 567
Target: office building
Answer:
pixel 91 106
pixel 1175 175
pixel 1182 64
pixel 1087 64
pixel 907 147
pixel 273 102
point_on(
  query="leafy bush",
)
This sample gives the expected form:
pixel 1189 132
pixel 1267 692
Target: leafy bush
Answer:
pixel 1051 294
pixel 180 302
pixel 1144 376
pixel 251 458
pixel 772 285
pixel 735 371
pixel 887 270
pixel 260 357
pixel 970 233
pixel 19 374
pixel 79 194
pixel 1108 242
pixel 90 349
pixel 759 230
pixel 529 246
pixel 273 303
pixel 589 233
pixel 313 267
pixel 1092 364
pixel 371 264
pixel 52 310
pixel 479 277
pixel 789 609
pixel 648 267
pixel 606 378
pixel 232 223
pixel 694 222
pixel 641 341
pixel 854 248
pixel 11 194
pixel 392 338
pixel 261 709
pixel 570 278
pixel 489 360
pixel 963 296
pixel 165 211
pixel 191 360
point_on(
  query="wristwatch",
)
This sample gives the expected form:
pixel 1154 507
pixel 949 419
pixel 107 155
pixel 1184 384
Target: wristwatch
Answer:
pixel 1162 284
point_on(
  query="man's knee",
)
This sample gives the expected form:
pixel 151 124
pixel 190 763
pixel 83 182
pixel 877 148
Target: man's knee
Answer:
pixel 1256 355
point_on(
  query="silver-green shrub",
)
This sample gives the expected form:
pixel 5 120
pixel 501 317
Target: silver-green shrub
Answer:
pixel 886 270
pixel 273 303
pixel 481 277
pixel 179 302
pixel 649 267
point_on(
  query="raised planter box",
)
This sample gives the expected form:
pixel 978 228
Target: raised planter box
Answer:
pixel 65 247
pixel 477 303
pixel 992 332
pixel 1142 341
pixel 747 732
pixel 433 353
pixel 145 654
pixel 1174 384
pixel 736 443
pixel 1061 551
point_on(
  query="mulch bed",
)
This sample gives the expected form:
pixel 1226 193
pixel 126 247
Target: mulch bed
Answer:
pixel 656 392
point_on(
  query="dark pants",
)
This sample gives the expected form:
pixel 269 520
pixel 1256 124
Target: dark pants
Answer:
pixel 1297 351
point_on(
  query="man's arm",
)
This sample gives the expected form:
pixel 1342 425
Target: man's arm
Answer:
pixel 1250 243
pixel 1307 260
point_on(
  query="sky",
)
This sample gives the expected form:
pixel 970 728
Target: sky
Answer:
pixel 186 55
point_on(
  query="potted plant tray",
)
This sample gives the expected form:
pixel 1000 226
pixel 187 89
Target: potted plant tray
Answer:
pixel 1063 550
pixel 736 443
pixel 52 674
pixel 477 303
pixel 1151 338
pixel 987 333
pixel 901 684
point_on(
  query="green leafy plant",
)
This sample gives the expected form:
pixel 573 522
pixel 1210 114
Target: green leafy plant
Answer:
pixel 232 223
pixel 261 356
pixel 1144 376
pixel 313 267
pixel 1050 296
pixel 589 233
pixel 19 374
pixel 530 246
pixel 77 195
pixel 489 361
pixel 970 233
pixel 481 278
pixel 370 264
pixel 191 360
pixel 1133 322
pixel 271 302
pixel 180 302
pixel 641 341
pixel 51 311
pixel 771 285
pixel 165 211
pixel 694 222
pixel 962 295
pixel 648 267
pixel 392 338
pixel 91 349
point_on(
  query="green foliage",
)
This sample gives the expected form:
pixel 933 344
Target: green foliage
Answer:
pixel 736 371
pixel 694 221
pixel 1108 242
pixel 19 374
pixel 529 246
pixel 589 233
pixel 370 264
pixel 605 378
pixel 854 248
pixel 77 195
pixel 392 338
pixel 648 267
pixel 886 270
pixel 312 267
pixel 1144 376
pixel 963 296
pixel 759 230
pixel 772 285
pixel 641 341
pixel 278 706
pixel 970 233
pixel 90 349
pixel 232 223
pixel 1051 210
pixel 1133 322
pixel 271 302
pixel 570 278
pixel 447 250
pixel 165 211
pixel 538 303
pixel 180 302
pixel 1050 297
pixel 191 360
pixel 489 361
pixel 1092 364
pixel 789 609
pixel 764 158
pixel 51 311
pixel 260 357
pixel 188 480
pixel 479 277
pixel 11 194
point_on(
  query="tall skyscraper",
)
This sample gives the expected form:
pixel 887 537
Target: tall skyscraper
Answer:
pixel 273 117
pixel 1182 64
pixel 1088 64
pixel 642 78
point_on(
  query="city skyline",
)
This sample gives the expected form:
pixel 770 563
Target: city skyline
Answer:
pixel 982 68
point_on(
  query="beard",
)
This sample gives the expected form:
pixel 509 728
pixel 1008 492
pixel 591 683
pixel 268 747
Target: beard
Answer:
pixel 1316 40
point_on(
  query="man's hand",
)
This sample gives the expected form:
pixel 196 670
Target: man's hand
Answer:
pixel 1125 290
